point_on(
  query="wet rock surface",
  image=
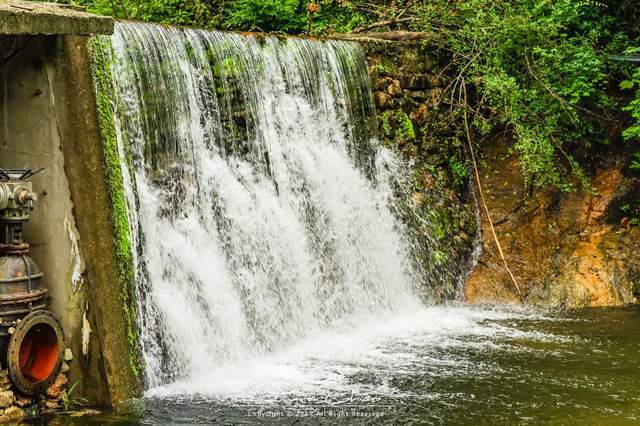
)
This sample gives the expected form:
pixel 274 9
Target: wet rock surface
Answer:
pixel 564 248
pixel 408 84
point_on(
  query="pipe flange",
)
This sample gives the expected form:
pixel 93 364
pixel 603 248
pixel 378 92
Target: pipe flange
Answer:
pixel 5 194
pixel 35 352
pixel 14 249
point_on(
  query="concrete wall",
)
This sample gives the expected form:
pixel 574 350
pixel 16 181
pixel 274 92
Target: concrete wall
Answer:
pixel 48 119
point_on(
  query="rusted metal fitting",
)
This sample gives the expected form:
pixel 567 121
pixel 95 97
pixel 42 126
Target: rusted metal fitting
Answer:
pixel 31 338
pixel 35 352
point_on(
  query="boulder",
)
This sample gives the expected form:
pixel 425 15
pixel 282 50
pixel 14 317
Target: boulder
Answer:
pixel 394 88
pixel 383 100
pixel 6 398
pixel 14 414
pixel 57 387
pixel 68 355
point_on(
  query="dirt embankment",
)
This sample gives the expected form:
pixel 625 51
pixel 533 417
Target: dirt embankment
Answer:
pixel 566 249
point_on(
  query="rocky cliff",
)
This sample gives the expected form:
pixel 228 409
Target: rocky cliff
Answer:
pixel 570 249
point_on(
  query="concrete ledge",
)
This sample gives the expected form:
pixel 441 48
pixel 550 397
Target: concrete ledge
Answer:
pixel 24 17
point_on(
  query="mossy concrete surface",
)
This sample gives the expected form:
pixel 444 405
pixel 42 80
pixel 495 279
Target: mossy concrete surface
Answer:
pixel 118 209
pixel 86 166
pixel 23 17
pixel 49 118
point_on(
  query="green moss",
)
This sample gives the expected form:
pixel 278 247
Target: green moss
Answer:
pixel 119 214
pixel 397 127
pixel 386 124
pixel 406 130
pixel 383 69
pixel 459 171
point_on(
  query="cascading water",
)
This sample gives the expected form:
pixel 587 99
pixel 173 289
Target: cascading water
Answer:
pixel 260 202
pixel 274 277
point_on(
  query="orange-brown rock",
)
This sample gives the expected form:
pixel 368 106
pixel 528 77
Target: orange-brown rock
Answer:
pixel 383 100
pixel 560 246
pixel 394 88
pixel 6 398
pixel 14 414
pixel 420 115
pixel 58 386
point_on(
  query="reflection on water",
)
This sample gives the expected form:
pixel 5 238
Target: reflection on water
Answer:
pixel 451 364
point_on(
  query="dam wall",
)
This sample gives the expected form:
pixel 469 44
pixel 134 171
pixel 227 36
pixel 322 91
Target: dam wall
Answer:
pixel 51 117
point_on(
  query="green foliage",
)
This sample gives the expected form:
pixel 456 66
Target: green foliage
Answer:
pixel 199 13
pixel 266 15
pixel 459 171
pixel 539 70
pixel 384 69
pixel 406 132
pixel 632 211
pixel 397 128
pixel 387 129
pixel 633 83
pixel 69 400
pixel 288 16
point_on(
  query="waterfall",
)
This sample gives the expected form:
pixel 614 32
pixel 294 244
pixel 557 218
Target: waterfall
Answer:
pixel 262 208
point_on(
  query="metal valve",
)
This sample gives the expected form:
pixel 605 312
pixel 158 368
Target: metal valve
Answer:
pixel 31 337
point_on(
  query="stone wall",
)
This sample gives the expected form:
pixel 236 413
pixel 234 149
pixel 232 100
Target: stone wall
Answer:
pixel 409 79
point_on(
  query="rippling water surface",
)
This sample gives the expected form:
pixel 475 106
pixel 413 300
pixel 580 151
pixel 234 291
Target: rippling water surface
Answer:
pixel 449 364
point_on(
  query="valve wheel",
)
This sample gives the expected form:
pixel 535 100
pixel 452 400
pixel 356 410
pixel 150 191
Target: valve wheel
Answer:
pixel 35 352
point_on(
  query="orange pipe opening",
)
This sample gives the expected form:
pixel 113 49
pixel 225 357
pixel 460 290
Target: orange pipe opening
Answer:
pixel 38 353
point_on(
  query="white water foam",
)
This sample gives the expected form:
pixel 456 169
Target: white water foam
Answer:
pixel 330 366
pixel 268 257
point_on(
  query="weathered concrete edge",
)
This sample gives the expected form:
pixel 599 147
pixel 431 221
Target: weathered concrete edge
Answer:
pixel 21 17
pixel 108 257
pixel 119 215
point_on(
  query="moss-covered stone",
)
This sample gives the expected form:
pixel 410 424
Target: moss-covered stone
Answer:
pixel 408 94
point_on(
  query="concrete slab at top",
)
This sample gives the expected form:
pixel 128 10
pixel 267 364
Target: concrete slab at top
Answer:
pixel 25 17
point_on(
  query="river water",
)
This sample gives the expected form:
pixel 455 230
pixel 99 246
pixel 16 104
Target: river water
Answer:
pixel 441 365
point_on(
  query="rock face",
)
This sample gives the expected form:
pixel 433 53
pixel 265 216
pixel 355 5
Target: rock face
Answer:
pixel 56 389
pixel 13 414
pixel 6 398
pixel 566 249
pixel 408 87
